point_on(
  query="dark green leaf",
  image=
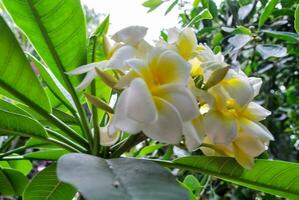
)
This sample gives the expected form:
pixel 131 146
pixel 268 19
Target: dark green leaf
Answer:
pixel 121 178
pixel 270 50
pixel 296 22
pixel 16 73
pixel 267 11
pixel 46 186
pixel 56 28
pixel 274 177
pixel 288 36
pixel 12 182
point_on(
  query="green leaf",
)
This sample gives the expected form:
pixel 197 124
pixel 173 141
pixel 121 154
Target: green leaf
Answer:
pixel 152 4
pixel 267 11
pixel 175 2
pixel 56 28
pixel 288 36
pixel 16 124
pixel 149 149
pixel 46 186
pixel 296 22
pixel 53 84
pixel 270 50
pixel 23 166
pixel 12 182
pixel 16 73
pixel 4 105
pixel 65 117
pixel 204 14
pixel 274 177
pixel 49 154
pixel 121 178
pixel 102 28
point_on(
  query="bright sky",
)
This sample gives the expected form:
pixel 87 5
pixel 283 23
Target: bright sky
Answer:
pixel 125 13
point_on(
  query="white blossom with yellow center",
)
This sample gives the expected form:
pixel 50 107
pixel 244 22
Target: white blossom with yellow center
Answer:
pixel 156 99
pixel 230 121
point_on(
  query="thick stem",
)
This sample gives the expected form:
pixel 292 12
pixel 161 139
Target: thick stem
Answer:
pixel 94 110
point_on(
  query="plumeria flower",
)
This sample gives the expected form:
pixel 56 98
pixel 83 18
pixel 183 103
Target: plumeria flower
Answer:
pixel 231 121
pixel 200 56
pixel 155 99
pixel 129 43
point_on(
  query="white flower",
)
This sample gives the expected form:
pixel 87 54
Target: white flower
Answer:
pixel 156 99
pixel 129 44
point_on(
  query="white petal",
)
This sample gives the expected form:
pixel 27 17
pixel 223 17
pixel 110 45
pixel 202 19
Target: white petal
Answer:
pixel 86 68
pixel 256 112
pixel 192 138
pixel 130 35
pixel 169 126
pixel 90 76
pixel 171 68
pixel 117 61
pixel 108 139
pixel 125 80
pixel 120 120
pixel 256 129
pixel 243 158
pixel 173 34
pixel 137 65
pixel 219 128
pixel 251 145
pixel 240 90
pixel 256 83
pixel 180 97
pixel 140 104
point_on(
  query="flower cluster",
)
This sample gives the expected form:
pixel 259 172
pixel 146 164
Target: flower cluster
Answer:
pixel 180 91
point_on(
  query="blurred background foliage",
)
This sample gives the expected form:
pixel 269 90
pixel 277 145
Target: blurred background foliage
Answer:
pixel 259 37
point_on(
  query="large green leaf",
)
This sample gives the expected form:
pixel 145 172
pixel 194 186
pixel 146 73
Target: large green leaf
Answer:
pixel 53 84
pixel 5 105
pixel 117 179
pixel 274 177
pixel 267 11
pixel 46 186
pixel 56 28
pixel 16 124
pixel 12 182
pixel 16 73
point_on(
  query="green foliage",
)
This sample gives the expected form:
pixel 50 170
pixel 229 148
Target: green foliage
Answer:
pixel 12 181
pixel 275 177
pixel 16 124
pixel 46 186
pixel 17 76
pixel 121 178
pixel 58 37
pixel 267 11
